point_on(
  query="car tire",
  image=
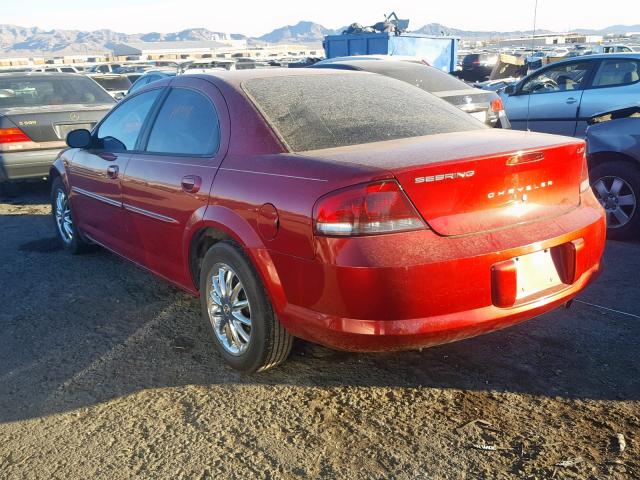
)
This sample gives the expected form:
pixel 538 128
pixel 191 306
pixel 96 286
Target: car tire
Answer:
pixel 268 344
pixel 616 185
pixel 64 222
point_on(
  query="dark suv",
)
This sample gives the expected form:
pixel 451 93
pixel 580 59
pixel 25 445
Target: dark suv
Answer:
pixel 477 67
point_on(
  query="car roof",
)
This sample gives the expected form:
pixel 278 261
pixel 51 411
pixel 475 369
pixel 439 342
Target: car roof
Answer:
pixel 379 57
pixel 236 77
pixel 107 75
pixel 40 74
pixel 600 56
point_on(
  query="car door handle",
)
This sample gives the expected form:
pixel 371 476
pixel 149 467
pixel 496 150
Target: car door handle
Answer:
pixel 571 100
pixel 108 156
pixel 191 183
pixel 112 171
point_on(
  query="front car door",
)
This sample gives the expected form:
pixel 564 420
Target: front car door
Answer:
pixel 548 101
pixel 166 186
pixel 616 84
pixel 95 174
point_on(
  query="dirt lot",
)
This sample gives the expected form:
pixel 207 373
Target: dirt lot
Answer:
pixel 106 372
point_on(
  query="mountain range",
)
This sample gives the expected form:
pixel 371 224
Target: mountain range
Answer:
pixel 20 41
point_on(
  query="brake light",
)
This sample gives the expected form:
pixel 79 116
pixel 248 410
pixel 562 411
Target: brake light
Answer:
pixel 584 175
pixel 497 105
pixel 368 209
pixel 13 135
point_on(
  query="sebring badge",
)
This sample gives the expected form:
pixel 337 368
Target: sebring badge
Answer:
pixel 445 176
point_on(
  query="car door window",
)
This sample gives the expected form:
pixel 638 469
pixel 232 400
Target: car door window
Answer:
pixel 187 124
pixel 560 78
pixel 617 72
pixel 120 130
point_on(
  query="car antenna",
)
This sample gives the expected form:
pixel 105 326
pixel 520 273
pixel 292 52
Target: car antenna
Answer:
pixel 533 41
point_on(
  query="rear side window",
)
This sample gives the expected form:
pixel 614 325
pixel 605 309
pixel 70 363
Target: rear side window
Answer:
pixel 120 130
pixel 187 124
pixel 422 76
pixel 111 84
pixel 312 112
pixel 613 73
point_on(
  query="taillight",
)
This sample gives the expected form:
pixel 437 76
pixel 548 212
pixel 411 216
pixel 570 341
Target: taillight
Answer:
pixel 368 209
pixel 584 175
pixel 13 135
pixel 497 105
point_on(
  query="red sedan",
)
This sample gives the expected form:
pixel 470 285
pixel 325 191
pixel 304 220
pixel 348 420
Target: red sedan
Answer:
pixel 348 209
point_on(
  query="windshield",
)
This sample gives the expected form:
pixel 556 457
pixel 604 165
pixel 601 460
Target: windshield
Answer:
pixel 324 111
pixel 424 77
pixel 34 91
pixel 113 83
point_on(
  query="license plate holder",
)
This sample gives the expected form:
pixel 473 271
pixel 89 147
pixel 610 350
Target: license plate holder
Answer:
pixel 536 272
pixel 63 129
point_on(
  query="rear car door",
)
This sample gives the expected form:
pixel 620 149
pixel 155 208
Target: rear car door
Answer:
pixel 166 186
pixel 549 100
pixel 95 174
pixel 616 84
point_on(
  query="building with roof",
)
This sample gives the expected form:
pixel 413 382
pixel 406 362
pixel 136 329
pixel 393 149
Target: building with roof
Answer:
pixel 171 50
pixel 549 39
pixel 191 50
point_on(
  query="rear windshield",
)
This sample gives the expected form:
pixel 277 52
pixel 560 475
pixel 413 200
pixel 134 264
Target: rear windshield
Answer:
pixel 42 91
pixel 424 77
pixel 326 111
pixel 113 83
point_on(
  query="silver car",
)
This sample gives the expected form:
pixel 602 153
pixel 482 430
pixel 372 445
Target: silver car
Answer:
pixel 561 97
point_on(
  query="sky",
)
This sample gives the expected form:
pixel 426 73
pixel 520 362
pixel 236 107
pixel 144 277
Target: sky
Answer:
pixel 255 17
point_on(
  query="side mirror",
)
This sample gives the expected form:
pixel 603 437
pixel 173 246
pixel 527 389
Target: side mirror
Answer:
pixel 510 89
pixel 119 96
pixel 80 138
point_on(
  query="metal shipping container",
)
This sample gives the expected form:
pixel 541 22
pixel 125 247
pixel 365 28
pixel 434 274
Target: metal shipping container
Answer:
pixel 440 52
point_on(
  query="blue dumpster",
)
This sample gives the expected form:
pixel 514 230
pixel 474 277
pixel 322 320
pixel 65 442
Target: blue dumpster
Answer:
pixel 440 52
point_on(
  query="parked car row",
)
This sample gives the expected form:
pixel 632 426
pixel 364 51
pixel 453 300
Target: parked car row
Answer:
pixel 561 98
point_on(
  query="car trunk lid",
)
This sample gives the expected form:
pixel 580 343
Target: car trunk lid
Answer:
pixel 52 123
pixel 465 183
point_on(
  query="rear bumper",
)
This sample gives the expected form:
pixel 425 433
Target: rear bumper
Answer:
pixel 393 335
pixel 424 290
pixel 503 120
pixel 26 164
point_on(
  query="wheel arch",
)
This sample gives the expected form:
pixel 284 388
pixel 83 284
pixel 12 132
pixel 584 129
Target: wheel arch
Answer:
pixel 57 170
pixel 222 224
pixel 598 158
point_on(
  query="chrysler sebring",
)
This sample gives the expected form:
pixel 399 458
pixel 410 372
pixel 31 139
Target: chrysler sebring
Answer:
pixel 345 208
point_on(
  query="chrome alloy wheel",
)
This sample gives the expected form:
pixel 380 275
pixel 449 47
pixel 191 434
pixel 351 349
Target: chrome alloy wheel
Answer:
pixel 229 309
pixel 618 199
pixel 63 216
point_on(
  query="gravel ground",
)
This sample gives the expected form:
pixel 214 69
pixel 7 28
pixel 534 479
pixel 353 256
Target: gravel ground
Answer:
pixel 106 372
